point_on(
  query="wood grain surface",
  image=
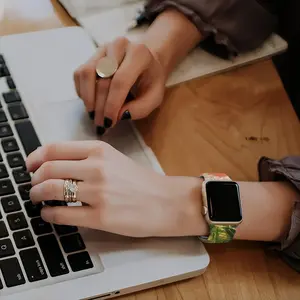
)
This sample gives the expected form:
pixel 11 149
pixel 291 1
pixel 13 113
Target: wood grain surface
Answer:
pixel 223 123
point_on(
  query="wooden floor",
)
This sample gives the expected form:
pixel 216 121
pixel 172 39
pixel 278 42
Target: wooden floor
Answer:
pixel 222 123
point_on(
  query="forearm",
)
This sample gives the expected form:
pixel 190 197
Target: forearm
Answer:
pixel 266 206
pixel 267 209
pixel 171 37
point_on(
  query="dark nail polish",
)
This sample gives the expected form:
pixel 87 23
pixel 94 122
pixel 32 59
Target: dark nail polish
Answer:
pixel 107 122
pixel 126 115
pixel 100 130
pixel 92 115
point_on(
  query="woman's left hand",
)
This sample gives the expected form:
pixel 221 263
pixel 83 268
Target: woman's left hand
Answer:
pixel 121 196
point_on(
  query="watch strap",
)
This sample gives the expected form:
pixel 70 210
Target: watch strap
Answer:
pixel 215 177
pixel 219 234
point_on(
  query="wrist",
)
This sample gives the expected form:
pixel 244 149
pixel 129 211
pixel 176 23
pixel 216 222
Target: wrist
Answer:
pixel 168 40
pixel 187 197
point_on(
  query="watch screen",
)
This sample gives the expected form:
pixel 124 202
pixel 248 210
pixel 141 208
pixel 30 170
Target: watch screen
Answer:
pixel 223 201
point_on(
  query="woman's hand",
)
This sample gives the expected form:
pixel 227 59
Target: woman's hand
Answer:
pixel 105 98
pixel 121 196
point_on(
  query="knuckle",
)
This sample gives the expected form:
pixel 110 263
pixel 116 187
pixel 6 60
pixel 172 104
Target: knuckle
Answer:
pixel 86 72
pixel 98 151
pixel 47 169
pixel 96 172
pixel 122 41
pixel 140 48
pixel 48 189
pixel 48 151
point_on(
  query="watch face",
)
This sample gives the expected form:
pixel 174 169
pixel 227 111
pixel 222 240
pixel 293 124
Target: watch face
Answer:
pixel 223 199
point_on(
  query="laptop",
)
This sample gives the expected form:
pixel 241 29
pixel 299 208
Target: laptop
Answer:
pixel 39 260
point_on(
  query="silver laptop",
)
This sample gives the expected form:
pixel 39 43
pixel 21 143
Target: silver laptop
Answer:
pixel 45 261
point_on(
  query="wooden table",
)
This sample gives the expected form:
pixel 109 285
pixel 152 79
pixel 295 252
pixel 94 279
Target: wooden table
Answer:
pixel 220 123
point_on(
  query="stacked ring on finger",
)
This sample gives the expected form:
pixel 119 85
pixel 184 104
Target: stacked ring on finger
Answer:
pixel 70 190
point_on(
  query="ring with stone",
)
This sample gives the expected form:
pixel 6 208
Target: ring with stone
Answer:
pixel 70 190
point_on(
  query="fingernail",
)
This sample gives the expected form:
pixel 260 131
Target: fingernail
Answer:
pixel 107 122
pixel 126 115
pixel 100 130
pixel 92 115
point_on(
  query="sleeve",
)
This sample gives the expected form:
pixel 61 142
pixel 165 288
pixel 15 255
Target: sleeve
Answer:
pixel 287 169
pixel 238 25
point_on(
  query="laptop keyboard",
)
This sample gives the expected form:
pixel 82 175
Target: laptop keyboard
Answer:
pixel 31 249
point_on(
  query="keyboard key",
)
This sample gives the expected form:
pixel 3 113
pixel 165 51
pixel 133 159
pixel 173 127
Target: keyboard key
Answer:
pixel 24 191
pixel 23 239
pixel 17 221
pixel 64 229
pixel 28 136
pixel 21 176
pixel 2 116
pixel 11 96
pixel 1 159
pixel 17 111
pixel 33 265
pixel 10 145
pixel 53 255
pixel 15 160
pixel 3 171
pixel 10 83
pixel 4 71
pixel 1 285
pixel 12 272
pixel 5 131
pixel 80 261
pixel 72 243
pixel 32 209
pixel 6 188
pixel 6 248
pixel 10 204
pixel 40 226
pixel 3 230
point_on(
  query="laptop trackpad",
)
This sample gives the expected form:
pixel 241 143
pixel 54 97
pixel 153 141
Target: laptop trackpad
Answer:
pixel 68 121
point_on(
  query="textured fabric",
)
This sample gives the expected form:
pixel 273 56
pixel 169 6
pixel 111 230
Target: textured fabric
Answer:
pixel 238 24
pixel 287 169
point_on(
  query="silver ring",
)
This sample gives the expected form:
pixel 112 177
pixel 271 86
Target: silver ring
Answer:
pixel 106 67
pixel 70 190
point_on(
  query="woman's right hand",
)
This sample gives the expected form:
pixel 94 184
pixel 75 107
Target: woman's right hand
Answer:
pixel 105 98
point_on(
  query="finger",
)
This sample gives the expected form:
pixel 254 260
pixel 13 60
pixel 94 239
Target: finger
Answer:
pixel 77 82
pixel 62 169
pixel 86 75
pixel 116 50
pixel 62 151
pixel 136 61
pixel 53 189
pixel 102 88
pixel 144 104
pixel 80 216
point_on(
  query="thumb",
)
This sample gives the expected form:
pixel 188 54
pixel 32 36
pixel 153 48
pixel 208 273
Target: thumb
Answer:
pixel 141 106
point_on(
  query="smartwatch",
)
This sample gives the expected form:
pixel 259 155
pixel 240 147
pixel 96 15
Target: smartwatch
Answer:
pixel 221 207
